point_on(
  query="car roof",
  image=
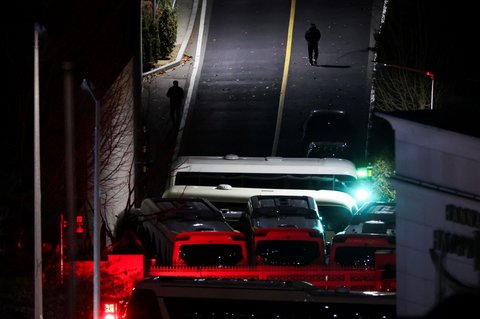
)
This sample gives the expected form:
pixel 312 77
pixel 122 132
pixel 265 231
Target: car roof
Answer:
pixel 184 214
pixel 373 217
pixel 371 227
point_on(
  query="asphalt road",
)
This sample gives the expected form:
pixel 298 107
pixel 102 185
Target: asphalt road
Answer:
pixel 243 73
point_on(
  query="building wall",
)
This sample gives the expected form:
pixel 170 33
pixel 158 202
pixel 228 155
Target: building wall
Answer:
pixel 117 162
pixel 436 180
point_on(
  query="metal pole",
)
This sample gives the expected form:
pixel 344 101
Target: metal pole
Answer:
pixel 96 203
pixel 427 73
pixel 96 219
pixel 37 185
pixel 431 96
pixel 70 184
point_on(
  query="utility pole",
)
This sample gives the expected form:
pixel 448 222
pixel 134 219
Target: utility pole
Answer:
pixel 69 121
pixel 37 182
pixel 96 203
pixel 427 73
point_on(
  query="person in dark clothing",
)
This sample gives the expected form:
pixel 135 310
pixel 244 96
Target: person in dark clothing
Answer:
pixel 312 36
pixel 176 94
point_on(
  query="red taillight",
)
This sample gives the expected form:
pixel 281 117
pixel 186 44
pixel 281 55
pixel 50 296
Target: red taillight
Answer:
pixel 110 310
pixel 79 224
pixel 182 237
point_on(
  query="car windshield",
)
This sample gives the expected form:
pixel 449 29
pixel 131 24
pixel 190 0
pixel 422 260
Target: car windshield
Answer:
pixel 282 202
pixel 285 211
pixel 186 210
pixel 327 127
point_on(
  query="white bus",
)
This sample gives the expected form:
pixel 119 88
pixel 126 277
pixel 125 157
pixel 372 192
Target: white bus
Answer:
pixel 264 172
pixel 229 182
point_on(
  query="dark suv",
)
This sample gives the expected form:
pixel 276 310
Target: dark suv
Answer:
pixel 286 230
pixel 326 134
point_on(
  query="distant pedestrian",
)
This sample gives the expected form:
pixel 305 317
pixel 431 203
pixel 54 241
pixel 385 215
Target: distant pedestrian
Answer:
pixel 175 93
pixel 312 36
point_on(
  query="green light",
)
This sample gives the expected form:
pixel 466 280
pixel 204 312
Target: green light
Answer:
pixel 364 172
pixel 362 194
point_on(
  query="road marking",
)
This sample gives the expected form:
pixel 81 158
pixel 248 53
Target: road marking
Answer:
pixel 196 63
pixel 281 102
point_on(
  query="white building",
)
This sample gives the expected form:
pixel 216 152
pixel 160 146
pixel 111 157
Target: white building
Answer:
pixel 437 182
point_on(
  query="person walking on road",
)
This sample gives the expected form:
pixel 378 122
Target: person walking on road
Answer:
pixel 176 94
pixel 312 36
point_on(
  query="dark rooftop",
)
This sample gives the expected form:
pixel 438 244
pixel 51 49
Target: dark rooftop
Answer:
pixel 465 121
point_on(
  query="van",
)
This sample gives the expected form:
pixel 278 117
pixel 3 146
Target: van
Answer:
pixel 191 232
pixel 286 230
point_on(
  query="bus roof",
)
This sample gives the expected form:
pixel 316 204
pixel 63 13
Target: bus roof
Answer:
pixel 242 195
pixel 265 165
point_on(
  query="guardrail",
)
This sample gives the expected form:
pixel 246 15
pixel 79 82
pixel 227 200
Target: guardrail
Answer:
pixel 322 277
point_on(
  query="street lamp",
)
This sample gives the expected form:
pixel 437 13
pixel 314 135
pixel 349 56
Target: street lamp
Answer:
pixel 427 73
pixel 96 203
pixel 37 183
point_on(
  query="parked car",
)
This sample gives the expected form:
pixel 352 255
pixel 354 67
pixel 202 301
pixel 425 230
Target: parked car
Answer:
pixel 286 230
pixel 374 218
pixel 369 241
pixel 359 250
pixel 326 134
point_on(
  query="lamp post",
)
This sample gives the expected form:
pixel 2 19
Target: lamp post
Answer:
pixel 96 203
pixel 37 184
pixel 427 73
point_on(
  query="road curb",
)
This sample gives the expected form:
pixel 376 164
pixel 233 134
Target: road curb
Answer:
pixel 186 39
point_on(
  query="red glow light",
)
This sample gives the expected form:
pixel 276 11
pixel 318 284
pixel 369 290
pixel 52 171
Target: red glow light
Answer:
pixel 110 310
pixel 79 227
pixel 430 74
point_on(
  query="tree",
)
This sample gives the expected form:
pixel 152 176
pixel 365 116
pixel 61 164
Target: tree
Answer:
pixel 167 25
pixel 404 40
pixel 159 32
pixel 441 43
pixel 382 170
pixel 147 44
